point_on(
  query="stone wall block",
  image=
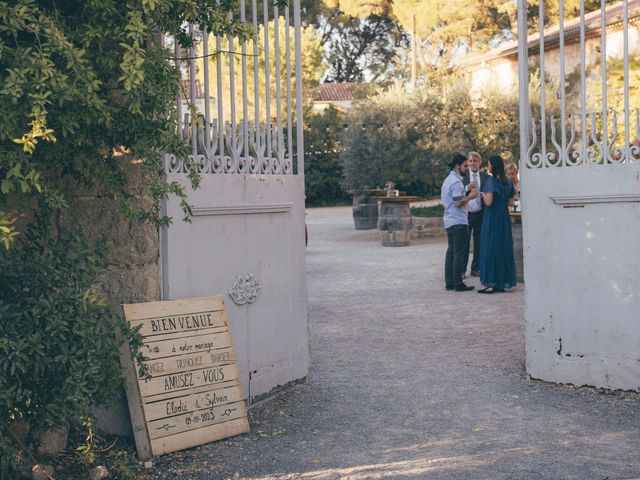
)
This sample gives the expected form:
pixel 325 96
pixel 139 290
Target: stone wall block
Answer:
pixel 428 227
pixel 128 242
pixel 131 285
pixel 134 172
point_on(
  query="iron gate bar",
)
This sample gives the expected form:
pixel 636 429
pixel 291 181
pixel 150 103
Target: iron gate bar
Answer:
pixel 229 144
pixel 599 132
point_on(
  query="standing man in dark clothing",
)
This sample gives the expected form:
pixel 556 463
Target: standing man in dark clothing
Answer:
pixel 475 208
pixel 455 199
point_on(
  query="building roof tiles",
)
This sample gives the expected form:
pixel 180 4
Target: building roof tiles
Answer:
pixel 336 92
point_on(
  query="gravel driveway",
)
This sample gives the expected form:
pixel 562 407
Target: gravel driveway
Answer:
pixel 411 381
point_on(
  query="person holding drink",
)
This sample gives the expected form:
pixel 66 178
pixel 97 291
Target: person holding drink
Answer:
pixel 475 208
pixel 497 263
pixel 455 200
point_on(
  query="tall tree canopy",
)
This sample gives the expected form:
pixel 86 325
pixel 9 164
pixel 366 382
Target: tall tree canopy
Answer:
pixel 358 50
pixel 444 28
pixel 445 25
pixel 361 8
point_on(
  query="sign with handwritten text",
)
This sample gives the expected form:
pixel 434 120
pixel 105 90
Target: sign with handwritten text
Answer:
pixel 187 391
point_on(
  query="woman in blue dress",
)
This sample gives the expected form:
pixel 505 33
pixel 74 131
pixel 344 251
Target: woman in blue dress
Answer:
pixel 497 264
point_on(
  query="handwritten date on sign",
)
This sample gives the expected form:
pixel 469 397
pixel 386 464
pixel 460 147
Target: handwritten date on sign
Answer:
pixel 192 420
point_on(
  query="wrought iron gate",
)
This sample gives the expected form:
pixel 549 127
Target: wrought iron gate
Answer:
pixel 246 237
pixel 580 166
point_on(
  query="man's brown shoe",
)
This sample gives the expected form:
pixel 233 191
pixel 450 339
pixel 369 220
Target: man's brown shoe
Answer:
pixel 475 273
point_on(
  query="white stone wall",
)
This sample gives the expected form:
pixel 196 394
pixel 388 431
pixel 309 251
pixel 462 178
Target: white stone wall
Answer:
pixel 501 73
pixel 615 49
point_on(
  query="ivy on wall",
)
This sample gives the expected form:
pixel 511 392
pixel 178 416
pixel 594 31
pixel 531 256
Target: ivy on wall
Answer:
pixel 81 83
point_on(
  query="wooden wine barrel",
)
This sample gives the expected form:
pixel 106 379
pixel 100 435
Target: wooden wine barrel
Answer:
pixel 516 231
pixel 365 211
pixel 394 221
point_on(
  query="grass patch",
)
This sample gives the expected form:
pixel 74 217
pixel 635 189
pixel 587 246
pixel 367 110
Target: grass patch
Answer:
pixel 347 202
pixel 434 211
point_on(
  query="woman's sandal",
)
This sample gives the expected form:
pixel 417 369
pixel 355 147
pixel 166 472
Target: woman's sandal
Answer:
pixel 486 290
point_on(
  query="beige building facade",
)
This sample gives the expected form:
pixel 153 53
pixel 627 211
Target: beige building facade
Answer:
pixel 498 68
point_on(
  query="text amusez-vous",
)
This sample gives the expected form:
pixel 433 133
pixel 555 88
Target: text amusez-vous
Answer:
pixel 183 380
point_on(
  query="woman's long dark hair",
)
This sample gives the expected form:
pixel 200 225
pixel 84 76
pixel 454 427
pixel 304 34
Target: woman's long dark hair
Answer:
pixel 497 168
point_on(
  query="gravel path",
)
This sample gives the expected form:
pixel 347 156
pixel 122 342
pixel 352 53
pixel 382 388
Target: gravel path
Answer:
pixel 411 381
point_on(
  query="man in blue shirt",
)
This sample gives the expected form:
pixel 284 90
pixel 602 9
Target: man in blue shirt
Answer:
pixel 454 198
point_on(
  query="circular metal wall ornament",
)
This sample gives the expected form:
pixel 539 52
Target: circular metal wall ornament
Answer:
pixel 245 289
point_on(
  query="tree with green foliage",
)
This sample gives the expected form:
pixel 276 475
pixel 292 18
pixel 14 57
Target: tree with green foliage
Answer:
pixel 552 11
pixel 323 171
pixel 497 122
pixel 615 92
pixel 81 80
pixel 361 8
pixel 406 139
pixel 444 27
pixel 80 83
pixel 359 50
pixel 361 39
pixel 409 138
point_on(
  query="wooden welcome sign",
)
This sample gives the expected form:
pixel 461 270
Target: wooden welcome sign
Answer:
pixel 188 392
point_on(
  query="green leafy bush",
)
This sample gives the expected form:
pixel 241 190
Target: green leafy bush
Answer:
pixel 407 139
pixel 81 82
pixel 84 87
pixel 8 453
pixel 58 347
pixel 410 138
pixel 323 170
pixel 433 211
pixel 498 122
